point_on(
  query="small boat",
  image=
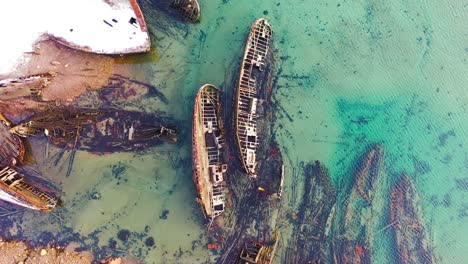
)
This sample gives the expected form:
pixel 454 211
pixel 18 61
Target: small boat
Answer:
pixel 207 151
pixel 101 130
pixel 189 9
pixel 15 189
pixel 256 58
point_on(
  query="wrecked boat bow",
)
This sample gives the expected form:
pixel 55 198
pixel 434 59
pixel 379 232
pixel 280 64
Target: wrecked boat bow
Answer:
pixel 15 189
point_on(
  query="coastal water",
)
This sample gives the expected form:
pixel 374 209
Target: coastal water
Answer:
pixel 348 74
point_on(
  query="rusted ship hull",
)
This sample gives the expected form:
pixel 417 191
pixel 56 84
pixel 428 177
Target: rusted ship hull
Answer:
pixel 207 151
pixel 99 130
pixel 15 189
pixel 257 57
pixel 188 9
pixel 408 231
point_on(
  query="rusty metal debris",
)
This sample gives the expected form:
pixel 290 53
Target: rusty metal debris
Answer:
pixel 98 130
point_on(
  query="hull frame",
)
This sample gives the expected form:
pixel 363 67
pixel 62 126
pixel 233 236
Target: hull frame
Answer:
pixel 207 152
pixel 256 55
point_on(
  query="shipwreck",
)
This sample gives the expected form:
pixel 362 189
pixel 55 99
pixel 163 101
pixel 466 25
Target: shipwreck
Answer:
pixel 208 145
pixel 100 130
pixel 257 57
pixel 408 231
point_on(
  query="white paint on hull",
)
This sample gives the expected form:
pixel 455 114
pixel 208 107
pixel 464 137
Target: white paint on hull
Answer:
pixel 91 25
pixel 12 199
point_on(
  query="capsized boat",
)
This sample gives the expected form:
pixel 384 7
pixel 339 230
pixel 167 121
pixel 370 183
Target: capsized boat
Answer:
pixel 256 57
pixel 101 130
pixel 189 9
pixel 15 189
pixel 207 151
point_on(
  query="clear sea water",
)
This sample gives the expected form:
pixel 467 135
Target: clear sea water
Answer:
pixel 348 74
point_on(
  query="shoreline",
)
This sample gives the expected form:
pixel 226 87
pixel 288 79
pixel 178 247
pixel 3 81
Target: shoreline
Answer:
pixel 20 252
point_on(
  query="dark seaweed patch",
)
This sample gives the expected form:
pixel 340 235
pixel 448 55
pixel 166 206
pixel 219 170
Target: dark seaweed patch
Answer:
pixel 164 214
pixel 118 170
pixel 149 242
pixel 445 136
pixel 123 235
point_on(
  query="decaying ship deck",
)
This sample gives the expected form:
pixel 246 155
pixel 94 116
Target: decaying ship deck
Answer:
pixel 208 143
pixel 15 189
pixel 253 74
pixel 100 130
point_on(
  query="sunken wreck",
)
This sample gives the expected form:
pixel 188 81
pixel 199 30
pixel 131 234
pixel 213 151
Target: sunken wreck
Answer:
pixel 353 244
pixel 406 224
pixel 250 92
pixel 208 147
pixel 100 130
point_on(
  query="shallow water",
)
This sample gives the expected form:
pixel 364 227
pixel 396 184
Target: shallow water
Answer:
pixel 348 74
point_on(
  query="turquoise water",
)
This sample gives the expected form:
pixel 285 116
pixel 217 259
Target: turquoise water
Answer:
pixel 347 74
